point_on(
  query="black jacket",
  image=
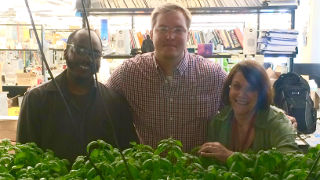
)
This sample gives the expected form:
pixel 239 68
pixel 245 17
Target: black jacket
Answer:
pixel 44 119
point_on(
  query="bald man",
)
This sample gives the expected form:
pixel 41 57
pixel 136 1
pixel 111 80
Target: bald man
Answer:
pixel 97 112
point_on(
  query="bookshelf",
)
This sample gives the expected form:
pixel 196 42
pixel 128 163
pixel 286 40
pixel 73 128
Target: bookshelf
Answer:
pixel 256 10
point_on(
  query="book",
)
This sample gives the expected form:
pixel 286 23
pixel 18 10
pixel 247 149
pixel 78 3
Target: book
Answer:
pixel 112 4
pixel 224 39
pixel 197 37
pixel 234 39
pixel 229 38
pixel 194 39
pixel 106 4
pixel 239 36
pixel 140 38
pixel 116 3
pixel 95 4
pixel 218 37
pixel 131 4
pixel 209 38
pixel 201 37
pixel 122 4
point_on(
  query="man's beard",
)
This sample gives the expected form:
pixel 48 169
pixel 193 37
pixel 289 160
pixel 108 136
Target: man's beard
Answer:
pixel 94 67
pixel 82 80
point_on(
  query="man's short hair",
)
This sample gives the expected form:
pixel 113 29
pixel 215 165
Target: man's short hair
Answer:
pixel 169 7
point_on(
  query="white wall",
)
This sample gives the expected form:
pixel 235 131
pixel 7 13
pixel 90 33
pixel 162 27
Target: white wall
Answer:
pixel 315 32
pixel 308 24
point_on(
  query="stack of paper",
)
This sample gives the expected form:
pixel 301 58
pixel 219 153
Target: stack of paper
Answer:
pixel 282 2
pixel 278 42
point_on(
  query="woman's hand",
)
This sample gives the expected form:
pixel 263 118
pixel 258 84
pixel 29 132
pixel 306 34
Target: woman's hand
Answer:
pixel 215 150
pixel 293 121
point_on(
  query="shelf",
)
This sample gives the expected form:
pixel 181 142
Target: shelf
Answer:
pixel 117 56
pixel 15 90
pixel 18 49
pixel 280 55
pixel 212 56
pixel 242 10
pixel 55 49
pixel 130 56
pixel 202 10
pixel 264 9
pixel 265 55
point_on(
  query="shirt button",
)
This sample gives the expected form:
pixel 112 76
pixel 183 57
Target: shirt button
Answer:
pixel 166 81
pixel 171 100
pixel 171 118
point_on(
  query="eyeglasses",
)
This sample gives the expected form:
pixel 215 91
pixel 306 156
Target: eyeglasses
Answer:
pixel 238 87
pixel 175 30
pixel 85 52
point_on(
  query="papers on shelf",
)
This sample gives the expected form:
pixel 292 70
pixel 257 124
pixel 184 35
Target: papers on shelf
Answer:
pixel 271 47
pixel 282 2
pixel 278 41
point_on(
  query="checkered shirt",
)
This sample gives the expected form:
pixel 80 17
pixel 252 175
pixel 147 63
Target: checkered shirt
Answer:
pixel 180 108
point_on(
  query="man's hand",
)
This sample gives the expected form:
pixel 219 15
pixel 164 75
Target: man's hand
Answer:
pixel 215 150
pixel 293 121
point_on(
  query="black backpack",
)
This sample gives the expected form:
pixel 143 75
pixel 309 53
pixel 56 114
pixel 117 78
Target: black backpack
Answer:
pixel 292 94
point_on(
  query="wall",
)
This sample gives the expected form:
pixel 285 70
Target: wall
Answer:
pixel 315 32
pixel 309 29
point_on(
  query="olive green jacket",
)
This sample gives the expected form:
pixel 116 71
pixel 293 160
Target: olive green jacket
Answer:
pixel 272 129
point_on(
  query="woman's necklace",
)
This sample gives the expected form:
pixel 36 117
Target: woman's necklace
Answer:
pixel 241 146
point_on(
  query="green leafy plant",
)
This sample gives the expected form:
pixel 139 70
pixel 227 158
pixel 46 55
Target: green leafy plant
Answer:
pixel 167 161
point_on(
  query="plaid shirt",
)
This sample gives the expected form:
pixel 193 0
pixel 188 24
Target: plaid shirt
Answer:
pixel 180 108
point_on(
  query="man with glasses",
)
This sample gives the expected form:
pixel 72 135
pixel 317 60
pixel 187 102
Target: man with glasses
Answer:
pixel 172 93
pixel 94 111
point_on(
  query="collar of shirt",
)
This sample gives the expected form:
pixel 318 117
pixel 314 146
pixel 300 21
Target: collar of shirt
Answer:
pixel 261 118
pixel 182 66
pixel 61 80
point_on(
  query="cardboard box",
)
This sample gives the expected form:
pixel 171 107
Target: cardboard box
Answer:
pixel 27 79
pixel 273 76
pixel 8 129
pixel 315 98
